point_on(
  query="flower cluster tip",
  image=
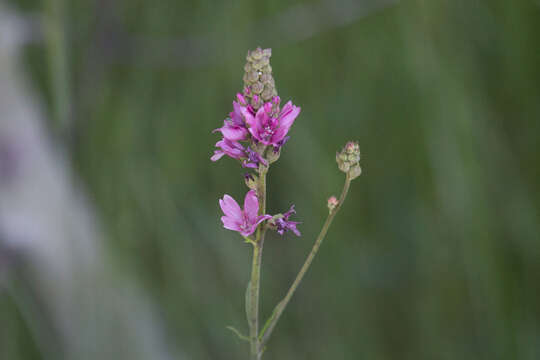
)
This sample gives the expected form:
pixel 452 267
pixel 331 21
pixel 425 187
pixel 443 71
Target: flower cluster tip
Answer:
pixel 254 134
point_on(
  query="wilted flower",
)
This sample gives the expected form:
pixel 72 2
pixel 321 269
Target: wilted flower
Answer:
pixel 269 125
pixel 244 221
pixel 250 158
pixel 253 159
pixel 250 180
pixel 283 224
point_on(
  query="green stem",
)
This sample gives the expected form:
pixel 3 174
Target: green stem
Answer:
pixel 280 307
pixel 253 316
pixel 254 300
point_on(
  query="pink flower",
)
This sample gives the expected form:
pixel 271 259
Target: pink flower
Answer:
pixel 250 158
pixel 234 127
pixel 230 148
pixel 269 125
pixel 244 221
pixel 253 159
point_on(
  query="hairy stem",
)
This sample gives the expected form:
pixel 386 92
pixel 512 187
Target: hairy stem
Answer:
pixel 253 316
pixel 280 307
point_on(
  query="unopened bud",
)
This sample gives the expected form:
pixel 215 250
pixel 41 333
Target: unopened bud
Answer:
pixel 272 154
pixel 251 181
pixel 351 147
pixel 256 101
pixel 241 100
pixel 332 203
pixel 258 78
pixel 268 93
pixel 266 78
pixel 257 87
pixel 348 160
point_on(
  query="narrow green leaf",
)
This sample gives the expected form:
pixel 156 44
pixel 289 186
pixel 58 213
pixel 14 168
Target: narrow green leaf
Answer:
pixel 238 333
pixel 269 321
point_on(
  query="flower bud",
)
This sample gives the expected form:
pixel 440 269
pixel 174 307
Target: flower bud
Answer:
pixel 332 203
pixel 259 85
pixel 256 101
pixel 272 155
pixel 348 160
pixel 268 93
pixel 251 181
pixel 241 99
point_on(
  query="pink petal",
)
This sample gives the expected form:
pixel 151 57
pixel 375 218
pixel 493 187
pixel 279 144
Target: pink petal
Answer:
pixel 267 107
pixel 218 154
pixel 257 123
pixel 288 114
pixel 261 118
pixel 286 108
pixel 237 109
pixel 253 227
pixel 231 148
pixel 248 232
pixel 261 218
pixel 233 133
pixel 253 131
pixel 251 206
pixel 279 135
pixel 230 224
pixel 241 99
pixel 231 208
pixel 285 123
pixel 249 165
pixel 250 119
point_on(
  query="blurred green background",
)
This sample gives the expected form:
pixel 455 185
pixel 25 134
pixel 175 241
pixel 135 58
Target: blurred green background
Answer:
pixel 435 254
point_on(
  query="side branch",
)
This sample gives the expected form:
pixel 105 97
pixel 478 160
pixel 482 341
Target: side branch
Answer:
pixel 280 307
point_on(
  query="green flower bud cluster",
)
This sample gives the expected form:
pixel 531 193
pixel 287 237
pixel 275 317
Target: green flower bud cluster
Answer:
pixel 349 159
pixel 259 84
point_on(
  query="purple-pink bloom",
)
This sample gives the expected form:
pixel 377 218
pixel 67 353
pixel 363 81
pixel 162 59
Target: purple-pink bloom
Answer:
pixel 283 224
pixel 235 150
pixel 241 99
pixel 244 221
pixel 253 159
pixel 280 144
pixel 234 127
pixel 269 125
pixel 227 147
